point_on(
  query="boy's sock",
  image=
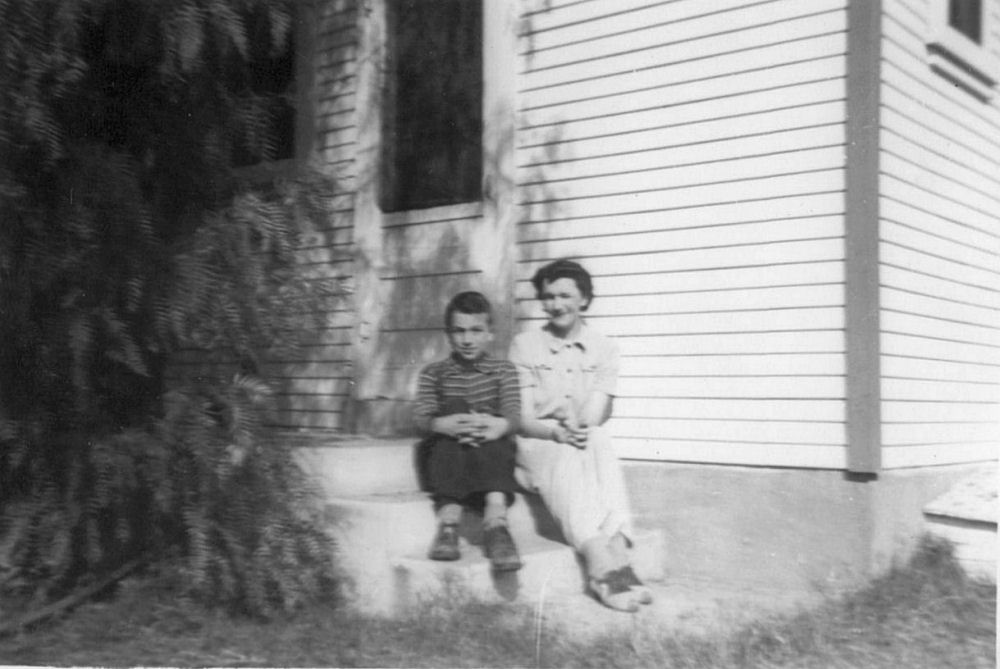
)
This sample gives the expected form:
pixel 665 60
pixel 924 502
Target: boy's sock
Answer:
pixel 495 510
pixel 449 513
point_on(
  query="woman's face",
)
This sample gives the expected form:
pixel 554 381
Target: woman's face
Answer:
pixel 564 304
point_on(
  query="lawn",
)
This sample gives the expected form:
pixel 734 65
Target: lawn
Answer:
pixel 922 615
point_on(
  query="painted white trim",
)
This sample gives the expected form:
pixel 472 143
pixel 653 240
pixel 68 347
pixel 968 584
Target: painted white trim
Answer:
pixel 957 58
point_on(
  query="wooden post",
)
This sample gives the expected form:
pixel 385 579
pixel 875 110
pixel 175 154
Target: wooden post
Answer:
pixel 862 323
pixel 368 236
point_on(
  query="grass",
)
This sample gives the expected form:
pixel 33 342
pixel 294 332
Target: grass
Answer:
pixel 926 614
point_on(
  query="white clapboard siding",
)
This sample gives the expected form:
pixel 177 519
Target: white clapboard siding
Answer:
pixel 919 433
pixel 692 158
pixel 625 104
pixel 818 250
pixel 944 348
pixel 648 152
pixel 728 211
pixel 937 265
pixel 939 181
pixel 943 329
pixel 921 283
pixel 939 411
pixel 730 321
pixel 707 302
pixel 773 387
pixel 947 453
pixel 899 105
pixel 698 281
pixel 933 241
pixel 950 391
pixel 705 117
pixel 944 370
pixel 907 119
pixel 784 364
pixel 751 454
pixel 798 180
pixel 729 409
pixel 907 302
pixel 642 178
pixel 897 212
pixel 660 32
pixel 692 60
pixel 768 340
pixel 748 234
pixel 920 165
pixel 734 431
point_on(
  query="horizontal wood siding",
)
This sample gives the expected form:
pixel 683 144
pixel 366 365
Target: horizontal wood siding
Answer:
pixel 691 156
pixel 939 255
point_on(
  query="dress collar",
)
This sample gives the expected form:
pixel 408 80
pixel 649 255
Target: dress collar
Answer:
pixel 584 339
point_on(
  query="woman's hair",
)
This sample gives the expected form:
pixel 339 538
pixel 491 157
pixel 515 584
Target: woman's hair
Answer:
pixel 469 302
pixel 564 269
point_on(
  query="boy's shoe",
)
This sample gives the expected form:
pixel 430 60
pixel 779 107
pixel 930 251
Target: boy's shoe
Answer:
pixel 640 589
pixel 499 547
pixel 613 591
pixel 445 546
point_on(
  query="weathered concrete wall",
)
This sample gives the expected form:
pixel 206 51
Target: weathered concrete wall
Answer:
pixel 782 529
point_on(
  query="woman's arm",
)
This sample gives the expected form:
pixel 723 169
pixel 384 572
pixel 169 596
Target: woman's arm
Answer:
pixel 597 409
pixel 531 425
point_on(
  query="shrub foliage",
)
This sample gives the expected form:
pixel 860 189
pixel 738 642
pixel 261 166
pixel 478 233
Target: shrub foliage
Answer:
pixel 128 235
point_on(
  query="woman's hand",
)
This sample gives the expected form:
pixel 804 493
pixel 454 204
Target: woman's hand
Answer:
pixel 575 436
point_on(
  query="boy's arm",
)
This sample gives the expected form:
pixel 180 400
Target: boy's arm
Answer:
pixel 425 414
pixel 509 420
pixel 510 398
pixel 426 408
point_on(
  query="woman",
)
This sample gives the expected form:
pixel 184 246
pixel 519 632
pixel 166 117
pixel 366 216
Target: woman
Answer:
pixel 568 373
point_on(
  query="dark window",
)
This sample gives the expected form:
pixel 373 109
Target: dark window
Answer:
pixel 268 125
pixel 966 16
pixel 432 106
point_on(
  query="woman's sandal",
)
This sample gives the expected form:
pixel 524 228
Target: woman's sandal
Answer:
pixel 640 589
pixel 613 591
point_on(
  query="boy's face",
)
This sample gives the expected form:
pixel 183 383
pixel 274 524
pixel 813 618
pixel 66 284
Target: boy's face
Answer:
pixel 469 335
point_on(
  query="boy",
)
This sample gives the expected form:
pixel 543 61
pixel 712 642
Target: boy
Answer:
pixel 470 404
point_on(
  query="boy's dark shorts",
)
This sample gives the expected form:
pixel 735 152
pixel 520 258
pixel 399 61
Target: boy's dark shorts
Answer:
pixel 455 472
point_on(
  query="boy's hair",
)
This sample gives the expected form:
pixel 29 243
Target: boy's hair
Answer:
pixel 564 269
pixel 469 302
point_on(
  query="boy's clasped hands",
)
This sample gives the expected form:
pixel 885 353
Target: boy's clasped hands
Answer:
pixel 471 429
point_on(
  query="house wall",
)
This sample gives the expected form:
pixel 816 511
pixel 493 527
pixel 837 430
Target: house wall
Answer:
pixel 939 252
pixel 314 384
pixel 692 157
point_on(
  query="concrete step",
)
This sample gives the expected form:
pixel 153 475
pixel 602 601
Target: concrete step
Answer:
pixel 383 539
pixel 383 526
pixel 551 570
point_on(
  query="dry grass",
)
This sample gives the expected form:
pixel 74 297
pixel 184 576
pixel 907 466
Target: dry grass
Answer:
pixel 923 615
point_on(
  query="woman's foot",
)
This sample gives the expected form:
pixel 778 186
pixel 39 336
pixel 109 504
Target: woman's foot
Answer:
pixel 613 591
pixel 640 589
